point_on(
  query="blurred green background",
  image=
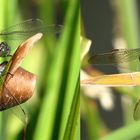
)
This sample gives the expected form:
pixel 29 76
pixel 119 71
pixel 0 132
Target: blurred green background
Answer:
pixel 107 113
pixel 53 111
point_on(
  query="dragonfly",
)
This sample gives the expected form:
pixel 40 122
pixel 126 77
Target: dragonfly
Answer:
pixel 121 56
pixel 21 31
pixel 115 56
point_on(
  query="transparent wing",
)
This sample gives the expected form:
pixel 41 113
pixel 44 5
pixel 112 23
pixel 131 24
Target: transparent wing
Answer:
pixel 115 56
pixel 24 30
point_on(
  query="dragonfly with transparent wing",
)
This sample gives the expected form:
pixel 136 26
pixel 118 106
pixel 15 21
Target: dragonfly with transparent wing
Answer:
pixel 118 56
pixel 21 31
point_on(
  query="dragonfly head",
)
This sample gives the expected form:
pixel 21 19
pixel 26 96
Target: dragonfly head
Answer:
pixel 4 49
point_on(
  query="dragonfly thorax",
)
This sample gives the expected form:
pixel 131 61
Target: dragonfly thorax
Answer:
pixel 2 66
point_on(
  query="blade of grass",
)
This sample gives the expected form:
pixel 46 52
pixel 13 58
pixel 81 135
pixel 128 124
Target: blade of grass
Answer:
pixel 62 81
pixel 72 124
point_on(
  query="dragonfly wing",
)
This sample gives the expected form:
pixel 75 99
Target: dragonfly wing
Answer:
pixel 114 57
pixel 128 55
pixel 29 28
pixel 24 26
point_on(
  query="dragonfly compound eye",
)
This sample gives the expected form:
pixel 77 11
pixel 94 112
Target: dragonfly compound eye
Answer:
pixel 4 49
